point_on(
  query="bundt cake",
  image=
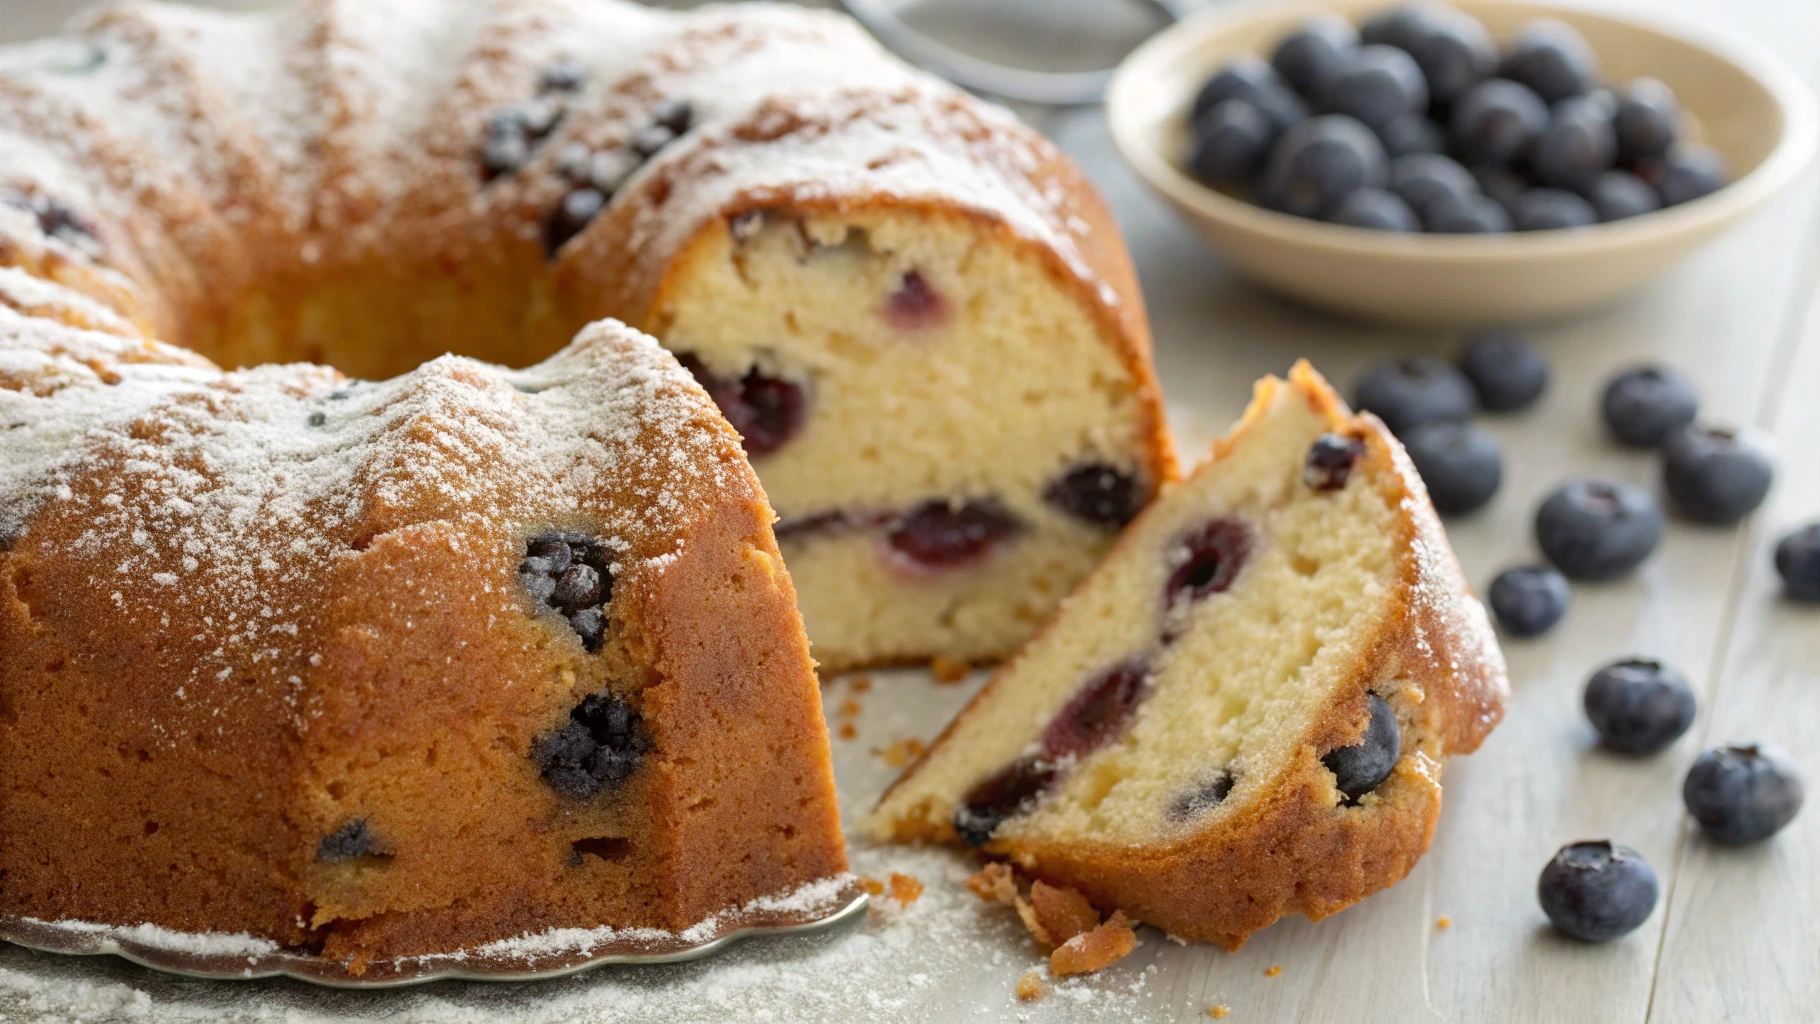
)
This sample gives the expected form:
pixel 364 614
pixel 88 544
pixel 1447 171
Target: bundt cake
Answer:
pixel 1244 711
pixel 915 310
pixel 377 670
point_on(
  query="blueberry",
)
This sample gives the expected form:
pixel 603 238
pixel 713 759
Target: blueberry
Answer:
pixel 1462 464
pixel 1248 78
pixel 766 411
pixel 609 170
pixel 503 154
pixel 1466 215
pixel 1376 85
pixel 1593 529
pixel 1496 121
pixel 1330 459
pixel 577 587
pixel 1011 791
pixel 571 574
pixel 676 115
pixel 1576 146
pixel 1621 194
pixel 1645 404
pixel 590 624
pixel 1597 890
pixel 1505 368
pixel 561 76
pixel 1552 59
pixel 1529 599
pixel 576 211
pixel 1230 143
pixel 1202 798
pixel 1208 560
pixel 1363 767
pixel 1412 133
pixel 1647 120
pixel 1311 52
pixel 1685 174
pixel 916 304
pixel 1549 209
pixel 1500 183
pixel 1399 26
pixel 1743 793
pixel 648 140
pixel 1320 162
pixel 349 842
pixel 1421 178
pixel 1454 51
pixel 1639 706
pixel 940 533
pixel 599 746
pixel 1798 563
pixel 1715 476
pixel 1099 494
pixel 1098 713
pixel 1413 390
pixel 1376 209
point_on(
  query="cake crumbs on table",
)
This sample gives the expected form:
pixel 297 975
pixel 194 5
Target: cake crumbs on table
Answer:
pixel 995 883
pixel 1029 987
pixel 1218 1011
pixel 948 670
pixel 849 708
pixel 901 753
pixel 1105 945
pixel 1275 969
pixel 847 731
pixel 860 684
pixel 904 888
pixel 1444 922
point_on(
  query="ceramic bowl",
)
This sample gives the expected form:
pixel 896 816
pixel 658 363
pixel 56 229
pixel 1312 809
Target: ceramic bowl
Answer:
pixel 1737 98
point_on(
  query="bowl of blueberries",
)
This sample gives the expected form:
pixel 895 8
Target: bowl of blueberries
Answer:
pixel 1473 163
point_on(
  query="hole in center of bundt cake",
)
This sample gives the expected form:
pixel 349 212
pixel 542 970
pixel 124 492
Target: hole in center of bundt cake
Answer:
pixel 571 574
pixel 766 411
pixel 600 746
pixel 942 534
pixel 1208 560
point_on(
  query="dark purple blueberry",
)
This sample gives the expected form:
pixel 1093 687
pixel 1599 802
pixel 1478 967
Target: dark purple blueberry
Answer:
pixel 1461 463
pixel 1320 162
pixel 547 553
pixel 1312 52
pixel 562 76
pixel 1099 494
pixel 766 411
pixel 1208 560
pixel 1618 195
pixel 541 586
pixel 572 162
pixel 1743 793
pixel 676 115
pixel 1330 461
pixel 1099 713
pixel 1551 209
pixel 1230 143
pixel 1638 705
pixel 608 170
pixel 1248 78
pixel 539 117
pixel 349 842
pixel 1496 121
pixel 1454 51
pixel 1202 798
pixel 1594 529
pixel 1377 210
pixel 1597 890
pixel 1552 59
pixel 590 624
pixel 1376 85
pixel 61 220
pixel 577 587
pixel 1576 146
pixel 1399 26
pixel 1715 476
pixel 648 140
pixel 1506 370
pixel 1011 791
pixel 1686 173
pixel 1798 563
pixel 501 155
pixel 916 304
pixel 576 211
pixel 1529 599
pixel 941 534
pixel 1414 133
pixel 600 745
pixel 1642 406
pixel 1413 390
pixel 1647 120
pixel 317 418
pixel 1466 215
pixel 1363 766
pixel 1421 178
pixel 1500 183
pixel 571 574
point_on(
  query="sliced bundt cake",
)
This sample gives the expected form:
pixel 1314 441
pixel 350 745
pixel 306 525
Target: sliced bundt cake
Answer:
pixel 386 669
pixel 914 309
pixel 1244 711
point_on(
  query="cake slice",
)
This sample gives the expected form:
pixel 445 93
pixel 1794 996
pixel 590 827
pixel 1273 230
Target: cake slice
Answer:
pixel 1243 712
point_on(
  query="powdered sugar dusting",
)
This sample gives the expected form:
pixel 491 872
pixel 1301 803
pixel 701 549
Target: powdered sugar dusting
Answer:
pixel 210 944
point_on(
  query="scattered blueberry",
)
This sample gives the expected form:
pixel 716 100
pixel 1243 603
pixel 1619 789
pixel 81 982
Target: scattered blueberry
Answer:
pixel 572 574
pixel 504 154
pixel 1412 133
pixel 576 211
pixel 1466 215
pixel 1506 370
pixel 1638 705
pixel 1647 120
pixel 1552 59
pixel 1413 390
pixel 1207 561
pixel 1321 161
pixel 1645 404
pixel 1743 793
pixel 1230 143
pixel 1330 460
pixel 1248 78
pixel 1310 53
pixel 561 76
pixel 1454 51
pixel 916 304
pixel 940 533
pixel 1529 599
pixel 1376 209
pixel 1099 494
pixel 1098 713
pixel 1593 529
pixel 1363 767
pixel 349 842
pixel 1548 209
pixel 1500 183
pixel 609 169
pixel 1399 26
pixel 1376 85
pixel 1462 464
pixel 600 746
pixel 1576 146
pixel 1597 890
pixel 648 140
pixel 1621 194
pixel 1798 563
pixel 1202 798
pixel 1496 121
pixel 1421 178
pixel 1715 476
pixel 675 114
pixel 1686 173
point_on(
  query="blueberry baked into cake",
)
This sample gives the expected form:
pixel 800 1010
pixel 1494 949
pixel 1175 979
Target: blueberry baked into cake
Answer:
pixel 1243 712
pixel 848 254
pixel 376 670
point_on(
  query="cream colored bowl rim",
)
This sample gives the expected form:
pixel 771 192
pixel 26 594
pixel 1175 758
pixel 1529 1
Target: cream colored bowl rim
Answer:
pixel 1793 150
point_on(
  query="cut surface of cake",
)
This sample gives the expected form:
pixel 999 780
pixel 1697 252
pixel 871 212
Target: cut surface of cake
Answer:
pixel 1243 713
pixel 378 670
pixel 914 309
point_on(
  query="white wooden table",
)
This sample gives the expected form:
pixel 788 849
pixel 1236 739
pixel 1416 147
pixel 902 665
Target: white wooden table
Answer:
pixel 1737 934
